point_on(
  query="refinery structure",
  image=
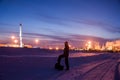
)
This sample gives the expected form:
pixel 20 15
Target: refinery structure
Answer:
pixel 113 45
pixel 107 46
pixel 89 46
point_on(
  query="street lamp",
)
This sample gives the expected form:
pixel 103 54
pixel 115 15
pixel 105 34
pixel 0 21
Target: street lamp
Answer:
pixel 36 41
pixel 15 41
pixel 57 48
pixel 50 48
pixel 12 37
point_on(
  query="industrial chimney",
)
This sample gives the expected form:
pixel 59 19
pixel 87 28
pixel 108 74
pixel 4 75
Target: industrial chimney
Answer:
pixel 21 44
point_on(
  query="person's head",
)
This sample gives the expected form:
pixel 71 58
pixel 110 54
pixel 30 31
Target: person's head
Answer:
pixel 66 44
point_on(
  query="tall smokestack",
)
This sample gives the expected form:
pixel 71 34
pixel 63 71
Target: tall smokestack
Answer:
pixel 21 44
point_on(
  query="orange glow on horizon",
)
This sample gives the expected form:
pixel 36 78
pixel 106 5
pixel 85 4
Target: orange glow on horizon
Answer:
pixel 50 48
pixel 57 48
pixel 88 45
pixel 15 41
pixel 89 42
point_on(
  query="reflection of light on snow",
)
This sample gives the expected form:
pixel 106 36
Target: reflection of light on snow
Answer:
pixel 82 54
pixel 72 55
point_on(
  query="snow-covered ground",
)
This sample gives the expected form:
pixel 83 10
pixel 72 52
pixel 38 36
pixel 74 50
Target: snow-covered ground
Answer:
pixel 24 64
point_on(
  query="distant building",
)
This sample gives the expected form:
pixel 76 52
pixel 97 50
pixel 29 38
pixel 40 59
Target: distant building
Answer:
pixel 102 48
pixel 92 45
pixel 14 45
pixel 113 45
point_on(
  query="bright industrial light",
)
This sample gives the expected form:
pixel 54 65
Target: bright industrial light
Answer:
pixel 88 45
pixel 70 45
pixel 50 48
pixel 89 42
pixel 36 40
pixel 12 37
pixel 15 41
pixel 57 48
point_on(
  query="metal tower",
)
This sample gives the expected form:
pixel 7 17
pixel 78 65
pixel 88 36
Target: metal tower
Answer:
pixel 21 44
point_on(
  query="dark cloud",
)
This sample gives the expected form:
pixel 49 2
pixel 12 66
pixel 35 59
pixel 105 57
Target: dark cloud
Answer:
pixel 87 37
pixel 58 32
pixel 7 24
pixel 74 40
pixel 71 38
pixel 67 23
pixel 52 20
pixel 47 36
pixel 102 25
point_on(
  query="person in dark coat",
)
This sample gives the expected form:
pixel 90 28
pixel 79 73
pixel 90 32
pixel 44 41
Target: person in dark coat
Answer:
pixel 65 55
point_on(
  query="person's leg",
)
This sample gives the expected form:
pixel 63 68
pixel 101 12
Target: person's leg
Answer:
pixel 59 58
pixel 67 63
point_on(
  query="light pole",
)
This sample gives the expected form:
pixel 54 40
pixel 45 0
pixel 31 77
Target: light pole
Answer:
pixel 36 41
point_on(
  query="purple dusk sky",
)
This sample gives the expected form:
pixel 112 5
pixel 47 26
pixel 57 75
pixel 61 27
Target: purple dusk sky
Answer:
pixel 55 21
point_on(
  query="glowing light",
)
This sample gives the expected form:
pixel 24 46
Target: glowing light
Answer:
pixel 15 46
pixel 15 41
pixel 57 48
pixel 88 45
pixel 70 45
pixel 36 40
pixel 12 37
pixel 110 48
pixel 89 42
pixel 50 48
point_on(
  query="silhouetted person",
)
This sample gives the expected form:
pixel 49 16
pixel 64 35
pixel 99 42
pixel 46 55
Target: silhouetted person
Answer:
pixel 65 55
